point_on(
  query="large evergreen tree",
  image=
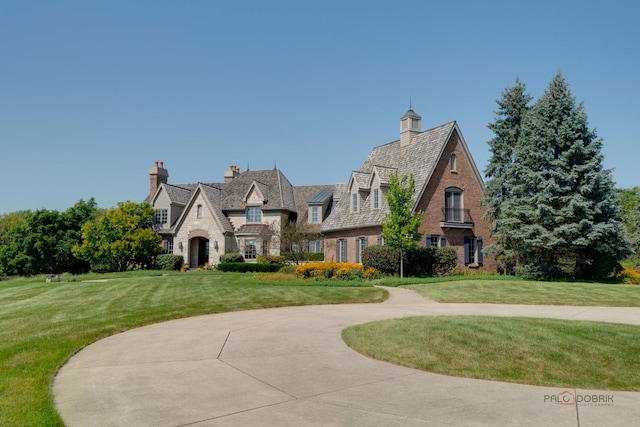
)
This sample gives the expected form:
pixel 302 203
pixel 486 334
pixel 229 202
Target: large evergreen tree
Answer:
pixel 563 214
pixel 512 108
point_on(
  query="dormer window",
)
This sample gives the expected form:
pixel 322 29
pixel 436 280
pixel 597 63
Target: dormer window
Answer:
pixel 354 203
pixel 315 214
pixel 160 216
pixel 376 198
pixel 254 214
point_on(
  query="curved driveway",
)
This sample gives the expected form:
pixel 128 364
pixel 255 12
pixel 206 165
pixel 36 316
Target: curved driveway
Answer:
pixel 290 367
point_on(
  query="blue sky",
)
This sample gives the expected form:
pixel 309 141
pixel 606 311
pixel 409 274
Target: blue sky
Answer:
pixel 92 93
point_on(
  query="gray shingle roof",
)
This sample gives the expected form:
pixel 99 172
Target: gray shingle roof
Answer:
pixel 214 195
pixel 418 158
pixel 177 194
pixel 280 190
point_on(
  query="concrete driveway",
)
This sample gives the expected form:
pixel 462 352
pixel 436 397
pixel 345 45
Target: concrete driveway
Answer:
pixel 289 367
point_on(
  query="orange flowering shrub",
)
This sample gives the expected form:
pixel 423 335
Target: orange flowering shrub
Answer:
pixel 371 273
pixel 330 270
pixel 629 276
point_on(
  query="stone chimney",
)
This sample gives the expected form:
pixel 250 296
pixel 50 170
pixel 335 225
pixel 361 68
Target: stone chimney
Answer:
pixel 157 175
pixel 410 126
pixel 231 173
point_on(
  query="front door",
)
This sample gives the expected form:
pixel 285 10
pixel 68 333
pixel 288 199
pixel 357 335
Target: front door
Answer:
pixel 203 251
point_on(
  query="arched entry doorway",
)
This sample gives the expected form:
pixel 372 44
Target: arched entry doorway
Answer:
pixel 198 252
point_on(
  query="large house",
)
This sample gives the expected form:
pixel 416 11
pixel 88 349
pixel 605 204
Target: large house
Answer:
pixel 246 211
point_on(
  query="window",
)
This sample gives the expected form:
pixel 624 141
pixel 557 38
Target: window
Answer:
pixel 250 249
pixel 380 241
pixel 361 244
pixel 433 240
pixel 453 163
pixel 341 250
pixel 160 216
pixel 354 202
pixel 313 246
pixel 254 214
pixel 472 251
pixel 314 214
pixel 415 124
pixel 453 205
pixel 376 198
pixel 167 246
pixel 199 211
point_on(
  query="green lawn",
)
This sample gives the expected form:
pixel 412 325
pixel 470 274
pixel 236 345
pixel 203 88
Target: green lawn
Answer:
pixel 547 352
pixel 42 325
pixel 518 291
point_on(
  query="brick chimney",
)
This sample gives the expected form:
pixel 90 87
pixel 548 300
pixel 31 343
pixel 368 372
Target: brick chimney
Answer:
pixel 231 173
pixel 157 175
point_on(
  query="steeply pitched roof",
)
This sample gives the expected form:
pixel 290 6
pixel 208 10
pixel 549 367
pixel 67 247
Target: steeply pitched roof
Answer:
pixel 280 190
pixel 177 194
pixel 418 158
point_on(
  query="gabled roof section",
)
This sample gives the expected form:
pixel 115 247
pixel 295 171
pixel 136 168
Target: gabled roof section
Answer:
pixel 419 158
pixel 383 174
pixel 279 190
pixel 177 195
pixel 361 179
pixel 262 190
pixel 212 197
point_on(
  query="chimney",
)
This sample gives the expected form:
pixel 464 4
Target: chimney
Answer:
pixel 157 175
pixel 231 173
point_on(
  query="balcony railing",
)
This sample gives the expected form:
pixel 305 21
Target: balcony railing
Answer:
pixel 456 218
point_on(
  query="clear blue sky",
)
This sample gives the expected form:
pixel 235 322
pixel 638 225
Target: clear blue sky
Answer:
pixel 92 93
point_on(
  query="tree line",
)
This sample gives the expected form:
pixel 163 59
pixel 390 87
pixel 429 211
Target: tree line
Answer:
pixel 80 239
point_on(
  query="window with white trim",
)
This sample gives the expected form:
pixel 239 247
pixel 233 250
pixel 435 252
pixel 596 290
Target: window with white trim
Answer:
pixel 361 245
pixel 160 216
pixel 254 214
pixel 315 217
pixel 250 250
pixel 376 198
pixel 453 165
pixel 341 250
pixel 354 202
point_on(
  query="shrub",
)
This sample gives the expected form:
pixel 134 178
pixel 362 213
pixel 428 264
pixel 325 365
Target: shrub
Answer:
pixel 185 267
pixel 385 259
pixel 288 269
pixel 169 262
pixel 233 257
pixel 271 259
pixel 244 267
pixel 629 276
pixel 371 273
pixel 445 260
pixel 419 261
pixel 330 270
pixel 305 256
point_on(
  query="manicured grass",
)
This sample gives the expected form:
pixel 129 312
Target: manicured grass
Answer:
pixel 518 291
pixel 43 324
pixel 547 352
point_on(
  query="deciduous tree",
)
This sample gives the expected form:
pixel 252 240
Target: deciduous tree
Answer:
pixel 121 239
pixel 400 224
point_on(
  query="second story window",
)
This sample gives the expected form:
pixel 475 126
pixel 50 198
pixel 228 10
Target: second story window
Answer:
pixel 354 202
pixel 315 217
pixel 376 198
pixel 452 164
pixel 453 205
pixel 254 214
pixel 199 211
pixel 160 216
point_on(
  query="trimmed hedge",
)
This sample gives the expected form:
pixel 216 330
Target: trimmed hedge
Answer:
pixel 233 257
pixel 169 262
pixel 385 259
pixel 418 262
pixel 244 267
pixel 304 256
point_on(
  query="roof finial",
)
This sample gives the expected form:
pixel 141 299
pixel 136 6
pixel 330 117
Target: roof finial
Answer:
pixel 410 102
pixel 275 166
